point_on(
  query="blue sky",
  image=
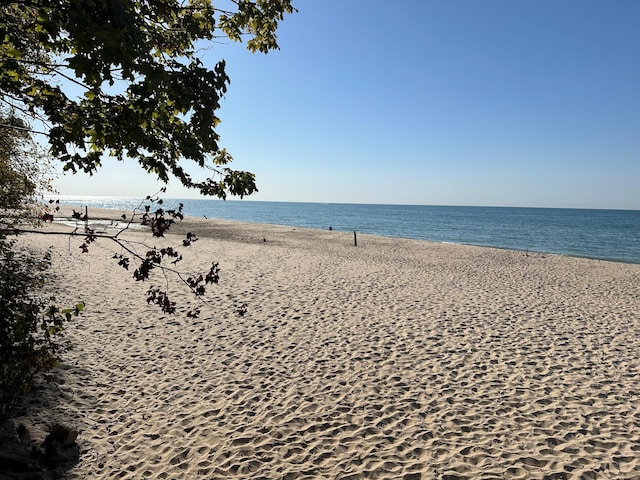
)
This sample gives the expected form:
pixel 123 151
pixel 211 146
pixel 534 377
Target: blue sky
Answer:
pixel 448 102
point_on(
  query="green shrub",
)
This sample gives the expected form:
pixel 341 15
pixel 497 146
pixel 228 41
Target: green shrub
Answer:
pixel 30 326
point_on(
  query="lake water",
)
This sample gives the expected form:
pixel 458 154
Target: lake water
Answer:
pixel 600 234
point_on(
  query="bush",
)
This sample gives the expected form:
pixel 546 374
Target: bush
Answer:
pixel 30 327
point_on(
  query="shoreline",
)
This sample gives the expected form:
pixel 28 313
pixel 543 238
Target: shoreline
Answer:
pixel 110 214
pixel 394 359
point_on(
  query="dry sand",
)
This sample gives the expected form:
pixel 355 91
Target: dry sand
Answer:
pixel 394 359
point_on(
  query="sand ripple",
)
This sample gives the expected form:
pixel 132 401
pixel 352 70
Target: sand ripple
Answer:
pixel 395 359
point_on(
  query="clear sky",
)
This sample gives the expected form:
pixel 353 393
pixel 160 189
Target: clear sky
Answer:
pixel 437 102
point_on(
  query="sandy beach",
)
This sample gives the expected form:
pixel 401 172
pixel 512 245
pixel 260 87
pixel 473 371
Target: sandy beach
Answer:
pixel 395 359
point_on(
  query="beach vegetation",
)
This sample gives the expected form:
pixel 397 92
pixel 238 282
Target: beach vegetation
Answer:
pixel 31 325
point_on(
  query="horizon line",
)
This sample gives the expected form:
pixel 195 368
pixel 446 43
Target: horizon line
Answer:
pixel 249 200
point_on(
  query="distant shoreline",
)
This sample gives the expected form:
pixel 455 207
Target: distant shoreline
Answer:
pixel 573 233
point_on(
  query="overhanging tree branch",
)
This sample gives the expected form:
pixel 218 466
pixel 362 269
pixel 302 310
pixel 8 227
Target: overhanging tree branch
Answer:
pixel 164 115
pixel 152 259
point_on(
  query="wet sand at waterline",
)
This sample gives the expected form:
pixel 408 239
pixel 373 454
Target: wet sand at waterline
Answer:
pixel 395 359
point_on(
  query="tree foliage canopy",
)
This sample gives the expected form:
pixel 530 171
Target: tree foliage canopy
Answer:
pixel 123 78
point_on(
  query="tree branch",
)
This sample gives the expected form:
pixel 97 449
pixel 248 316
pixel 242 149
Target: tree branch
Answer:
pixel 23 129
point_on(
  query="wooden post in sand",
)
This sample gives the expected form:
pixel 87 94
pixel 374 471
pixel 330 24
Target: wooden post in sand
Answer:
pixel 355 239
